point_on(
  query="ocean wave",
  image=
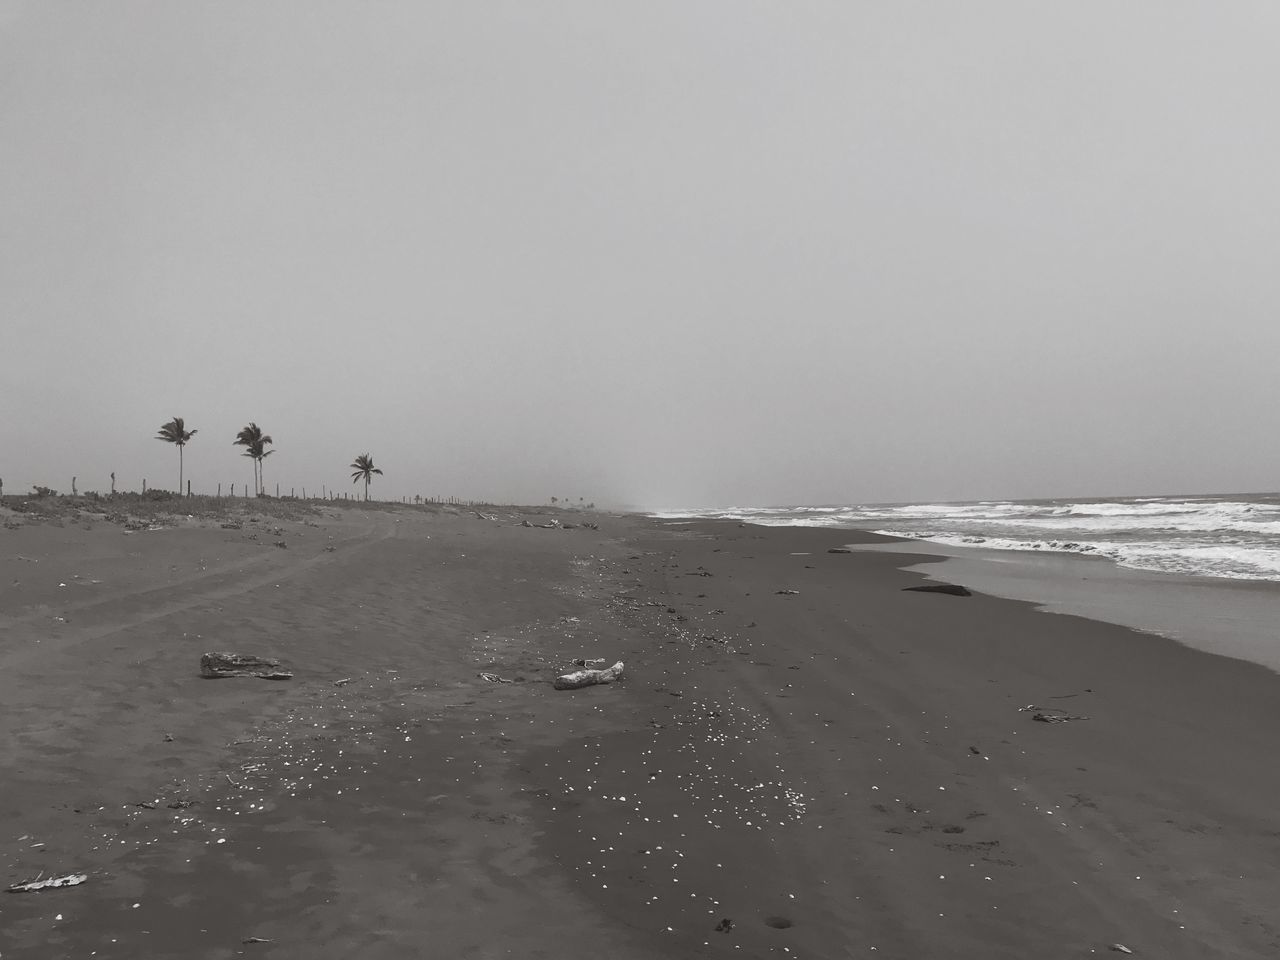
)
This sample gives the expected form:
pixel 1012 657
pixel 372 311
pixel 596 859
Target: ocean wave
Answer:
pixel 1102 527
pixel 1153 508
pixel 1238 561
pixel 1206 536
pixel 986 509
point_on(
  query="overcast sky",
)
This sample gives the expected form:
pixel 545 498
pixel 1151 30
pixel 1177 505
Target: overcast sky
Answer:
pixel 647 253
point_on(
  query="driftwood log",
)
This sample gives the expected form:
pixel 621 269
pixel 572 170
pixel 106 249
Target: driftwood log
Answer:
pixel 587 678
pixel 217 665
pixel 36 885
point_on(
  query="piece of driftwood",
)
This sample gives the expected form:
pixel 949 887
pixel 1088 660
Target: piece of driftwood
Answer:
pixel 1050 714
pixel 36 885
pixel 217 665
pixel 951 589
pixel 587 678
pixel 839 550
pixel 581 662
pixel 494 678
pixel 1056 717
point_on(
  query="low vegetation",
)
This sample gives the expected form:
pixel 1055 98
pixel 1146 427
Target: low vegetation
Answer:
pixel 153 508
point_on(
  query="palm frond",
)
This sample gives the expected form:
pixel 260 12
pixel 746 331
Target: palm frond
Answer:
pixel 364 469
pixel 253 438
pixel 175 431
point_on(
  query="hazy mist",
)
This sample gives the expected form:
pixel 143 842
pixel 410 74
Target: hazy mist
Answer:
pixel 647 253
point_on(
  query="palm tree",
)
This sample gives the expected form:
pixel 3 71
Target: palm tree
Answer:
pixel 259 454
pixel 256 441
pixel 363 467
pixel 175 431
pixel 247 437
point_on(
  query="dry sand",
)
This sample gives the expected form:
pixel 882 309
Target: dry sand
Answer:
pixel 843 771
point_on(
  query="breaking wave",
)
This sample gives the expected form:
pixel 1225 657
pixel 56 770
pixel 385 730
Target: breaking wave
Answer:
pixel 1233 537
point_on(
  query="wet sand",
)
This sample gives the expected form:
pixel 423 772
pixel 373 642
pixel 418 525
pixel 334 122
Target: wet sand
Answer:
pixel 1235 618
pixel 841 771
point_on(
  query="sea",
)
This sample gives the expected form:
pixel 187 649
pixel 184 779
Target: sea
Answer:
pixel 1234 537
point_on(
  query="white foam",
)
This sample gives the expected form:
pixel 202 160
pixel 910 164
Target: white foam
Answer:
pixel 1236 561
pixel 1207 536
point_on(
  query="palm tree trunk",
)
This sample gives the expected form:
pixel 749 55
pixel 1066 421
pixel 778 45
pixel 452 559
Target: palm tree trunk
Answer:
pixel 262 481
pixel 366 488
pixel 179 469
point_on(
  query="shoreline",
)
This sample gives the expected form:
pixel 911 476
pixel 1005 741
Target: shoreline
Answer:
pixel 844 770
pixel 1225 616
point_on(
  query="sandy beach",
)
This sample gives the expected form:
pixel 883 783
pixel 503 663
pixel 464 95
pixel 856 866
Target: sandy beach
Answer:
pixel 802 760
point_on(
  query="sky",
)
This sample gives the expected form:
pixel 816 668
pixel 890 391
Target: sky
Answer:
pixel 654 254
